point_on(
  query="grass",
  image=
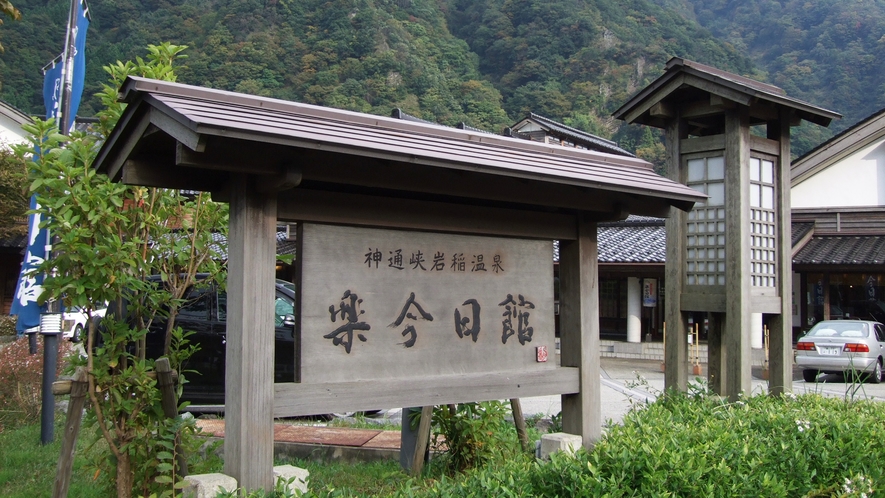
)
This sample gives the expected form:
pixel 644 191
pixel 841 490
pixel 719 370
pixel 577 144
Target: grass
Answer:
pixel 27 468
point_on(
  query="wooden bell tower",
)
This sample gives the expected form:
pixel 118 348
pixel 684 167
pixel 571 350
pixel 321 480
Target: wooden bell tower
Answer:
pixel 729 137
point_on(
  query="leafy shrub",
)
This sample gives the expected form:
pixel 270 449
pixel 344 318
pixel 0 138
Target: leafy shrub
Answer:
pixel 699 445
pixel 472 434
pixel 21 379
pixel 7 325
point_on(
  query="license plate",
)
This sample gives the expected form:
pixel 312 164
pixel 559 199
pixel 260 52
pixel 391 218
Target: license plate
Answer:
pixel 829 351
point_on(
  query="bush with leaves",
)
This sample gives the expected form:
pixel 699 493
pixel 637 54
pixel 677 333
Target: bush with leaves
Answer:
pixel 469 435
pixel 7 326
pixel 21 380
pixel 108 238
pixel 699 445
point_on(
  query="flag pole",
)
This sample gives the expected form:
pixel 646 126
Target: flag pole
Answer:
pixel 51 320
pixel 68 71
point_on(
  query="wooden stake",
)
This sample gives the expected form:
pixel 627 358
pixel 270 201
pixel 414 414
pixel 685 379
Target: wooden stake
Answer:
pixel 72 430
pixel 170 408
pixel 422 441
pixel 519 422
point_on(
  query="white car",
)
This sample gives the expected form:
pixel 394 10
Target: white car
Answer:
pixel 74 322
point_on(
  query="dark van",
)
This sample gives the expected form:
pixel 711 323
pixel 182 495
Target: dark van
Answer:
pixel 206 316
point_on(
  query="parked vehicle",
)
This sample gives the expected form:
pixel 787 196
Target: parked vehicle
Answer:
pixel 205 314
pixel 842 346
pixel 74 322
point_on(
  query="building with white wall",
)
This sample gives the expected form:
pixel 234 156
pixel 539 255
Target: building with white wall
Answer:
pixel 838 209
pixel 11 121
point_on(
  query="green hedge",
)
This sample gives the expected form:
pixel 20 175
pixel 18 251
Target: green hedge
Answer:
pixel 7 325
pixel 693 445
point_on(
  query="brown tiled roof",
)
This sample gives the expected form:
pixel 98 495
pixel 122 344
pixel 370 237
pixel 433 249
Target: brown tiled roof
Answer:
pixel 190 114
pixel 842 250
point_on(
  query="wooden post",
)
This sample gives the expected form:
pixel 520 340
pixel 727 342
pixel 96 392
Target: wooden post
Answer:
pixel 735 333
pixel 248 388
pixel 72 430
pixel 423 440
pixel 676 342
pixel 780 366
pixel 519 423
pixel 716 356
pixel 579 331
pixel 170 408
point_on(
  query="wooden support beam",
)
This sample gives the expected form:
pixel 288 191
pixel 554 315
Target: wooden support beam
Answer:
pixel 662 110
pixel 180 132
pixel 780 379
pixel 248 389
pixel 579 331
pixel 735 339
pixel 376 173
pixel 159 174
pixel 297 399
pixel 125 147
pixel 670 87
pixel 237 158
pixel 676 323
pixel 337 207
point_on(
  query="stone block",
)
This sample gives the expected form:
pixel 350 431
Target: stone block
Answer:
pixel 296 475
pixel 559 441
pixel 208 485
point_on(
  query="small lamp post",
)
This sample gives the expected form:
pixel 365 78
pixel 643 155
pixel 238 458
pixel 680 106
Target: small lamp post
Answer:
pixel 50 329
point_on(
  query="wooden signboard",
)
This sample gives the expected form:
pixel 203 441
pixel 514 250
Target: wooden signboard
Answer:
pixel 390 308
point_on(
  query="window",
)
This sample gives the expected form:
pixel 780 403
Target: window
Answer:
pixel 283 307
pixel 763 227
pixel 196 306
pixel 706 223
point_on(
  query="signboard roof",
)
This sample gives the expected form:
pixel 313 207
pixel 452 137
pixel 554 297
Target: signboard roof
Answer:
pixel 172 133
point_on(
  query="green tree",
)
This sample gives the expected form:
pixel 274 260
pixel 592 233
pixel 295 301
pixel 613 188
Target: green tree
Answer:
pixel 7 8
pixel 109 238
pixel 13 194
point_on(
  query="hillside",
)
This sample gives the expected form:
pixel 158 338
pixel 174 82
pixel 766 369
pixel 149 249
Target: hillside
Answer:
pixel 483 62
pixel 828 52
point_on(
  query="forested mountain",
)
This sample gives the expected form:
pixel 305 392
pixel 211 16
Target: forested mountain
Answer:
pixel 484 62
pixel 827 52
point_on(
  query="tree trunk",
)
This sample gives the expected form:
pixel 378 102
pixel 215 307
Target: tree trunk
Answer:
pixel 124 476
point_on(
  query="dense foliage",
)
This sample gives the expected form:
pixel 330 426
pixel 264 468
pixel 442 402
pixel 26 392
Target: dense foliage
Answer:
pixel 697 445
pixel 21 380
pixel 109 238
pixel 483 62
pixel 13 194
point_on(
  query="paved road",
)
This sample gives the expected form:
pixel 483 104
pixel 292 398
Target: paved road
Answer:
pixel 626 383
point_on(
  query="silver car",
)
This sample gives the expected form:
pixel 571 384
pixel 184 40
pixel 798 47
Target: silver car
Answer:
pixel 842 346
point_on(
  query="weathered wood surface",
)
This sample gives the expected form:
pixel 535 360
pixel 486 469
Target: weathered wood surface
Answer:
pixel 519 423
pixel 249 396
pixel 63 386
pixel 422 441
pixel 579 332
pixel 72 430
pixel 170 408
pixel 363 320
pixel 780 378
pixel 305 399
pixel 736 343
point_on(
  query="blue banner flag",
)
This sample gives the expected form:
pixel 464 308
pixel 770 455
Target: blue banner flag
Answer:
pixel 30 285
pixel 54 75
pixel 79 69
pixel 52 86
